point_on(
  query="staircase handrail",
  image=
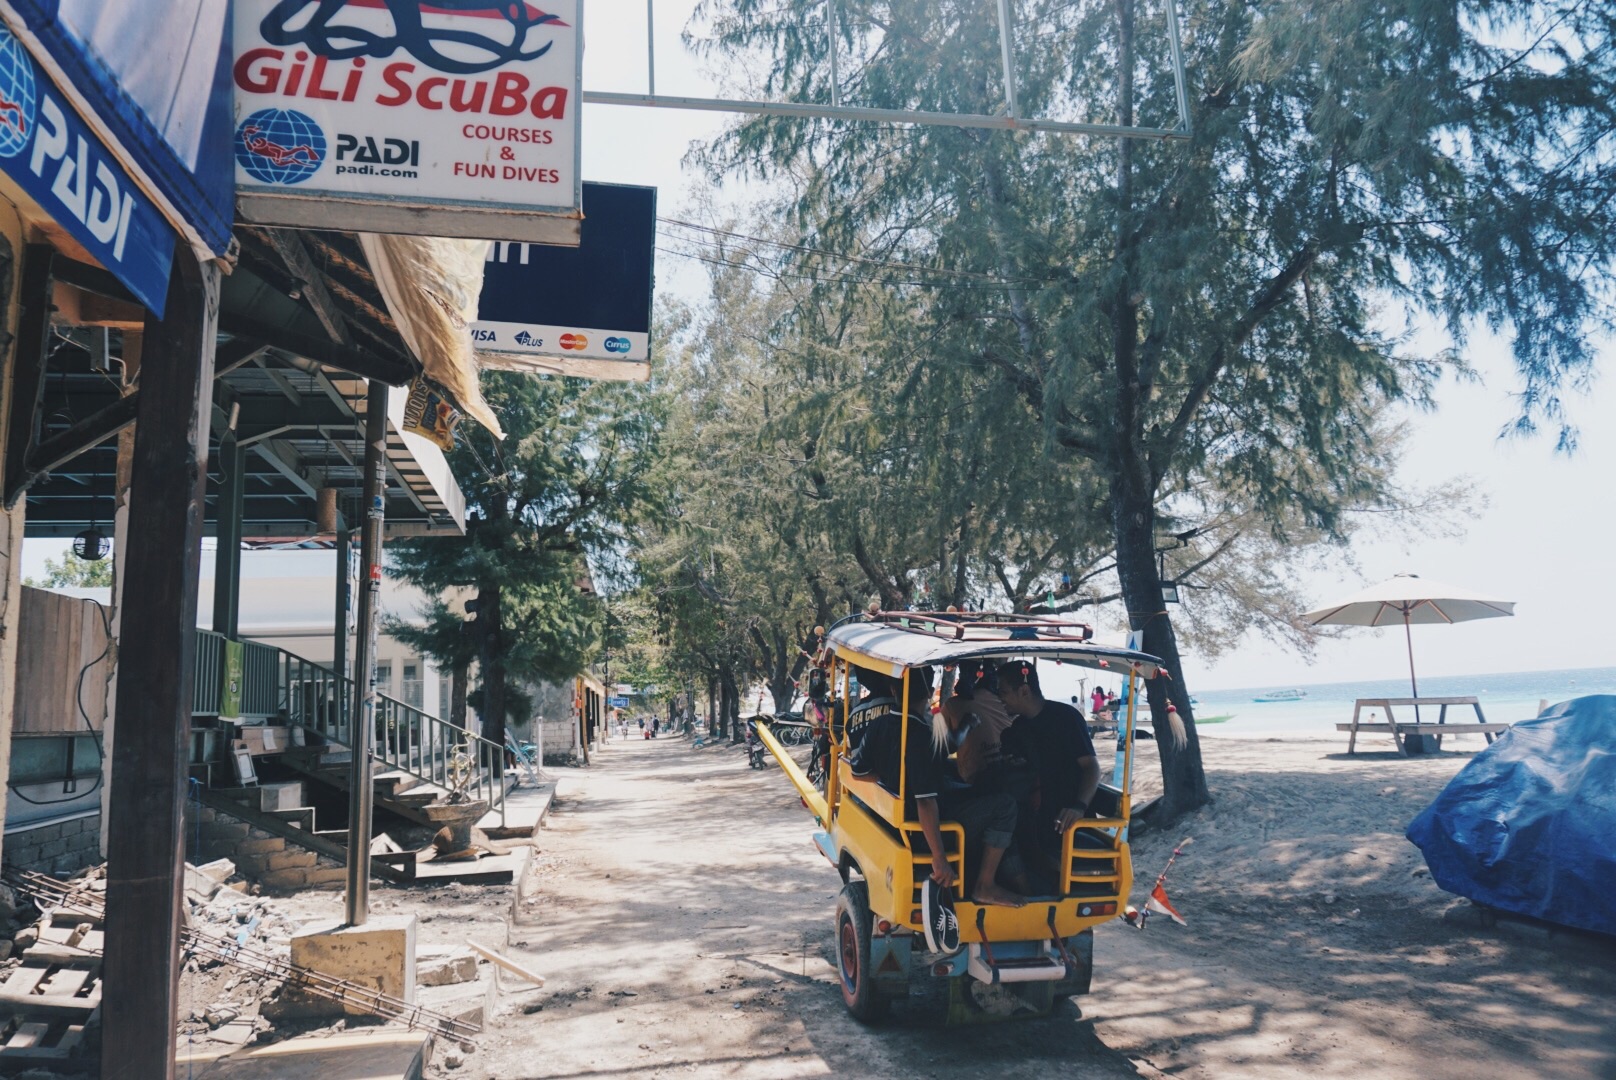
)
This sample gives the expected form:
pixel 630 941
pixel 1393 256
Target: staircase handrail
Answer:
pixel 408 739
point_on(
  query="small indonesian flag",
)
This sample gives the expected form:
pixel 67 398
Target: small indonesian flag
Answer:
pixel 1159 904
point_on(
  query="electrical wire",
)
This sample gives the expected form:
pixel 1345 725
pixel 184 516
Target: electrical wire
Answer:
pixel 78 697
pixel 860 259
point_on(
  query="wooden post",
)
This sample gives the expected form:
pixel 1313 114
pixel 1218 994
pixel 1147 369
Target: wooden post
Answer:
pixel 360 796
pixel 339 641
pixel 155 689
pixel 227 528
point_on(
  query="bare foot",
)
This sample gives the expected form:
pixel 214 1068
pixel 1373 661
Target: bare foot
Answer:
pixel 995 895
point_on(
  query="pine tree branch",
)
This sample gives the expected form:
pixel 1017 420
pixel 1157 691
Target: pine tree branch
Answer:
pixel 1273 294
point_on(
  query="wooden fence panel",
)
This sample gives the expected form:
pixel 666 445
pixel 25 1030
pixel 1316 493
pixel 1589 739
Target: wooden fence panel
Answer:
pixel 57 637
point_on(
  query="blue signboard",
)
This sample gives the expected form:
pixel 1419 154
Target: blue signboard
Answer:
pixel 153 76
pixel 617 702
pixel 52 155
pixel 591 302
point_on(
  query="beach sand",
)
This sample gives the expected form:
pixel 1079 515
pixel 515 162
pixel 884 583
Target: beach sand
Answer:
pixel 1318 945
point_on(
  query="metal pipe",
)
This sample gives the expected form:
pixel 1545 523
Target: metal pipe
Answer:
pixel 1180 82
pixel 650 46
pixel 835 81
pixel 363 726
pixel 1007 57
pixel 888 116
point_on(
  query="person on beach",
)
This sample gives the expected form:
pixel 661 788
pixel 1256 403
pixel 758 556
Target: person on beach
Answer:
pixel 1054 737
pixel 880 750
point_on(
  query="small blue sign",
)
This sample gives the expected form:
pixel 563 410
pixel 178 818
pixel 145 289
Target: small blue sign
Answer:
pixel 54 156
pixel 617 702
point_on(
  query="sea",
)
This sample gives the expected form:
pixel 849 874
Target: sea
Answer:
pixel 1505 696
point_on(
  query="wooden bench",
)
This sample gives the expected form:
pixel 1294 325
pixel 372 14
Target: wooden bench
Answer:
pixel 1399 731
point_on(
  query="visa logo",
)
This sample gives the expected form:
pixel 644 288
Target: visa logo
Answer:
pixel 479 333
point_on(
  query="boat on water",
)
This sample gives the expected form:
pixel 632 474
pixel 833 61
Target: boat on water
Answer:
pixel 1282 695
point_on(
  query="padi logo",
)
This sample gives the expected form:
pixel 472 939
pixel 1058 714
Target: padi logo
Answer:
pixel 16 96
pixel 280 146
pixel 618 345
pixel 527 339
pixel 479 333
pixel 575 342
pixel 363 149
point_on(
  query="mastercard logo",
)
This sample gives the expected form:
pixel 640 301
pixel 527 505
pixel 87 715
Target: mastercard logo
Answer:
pixel 574 341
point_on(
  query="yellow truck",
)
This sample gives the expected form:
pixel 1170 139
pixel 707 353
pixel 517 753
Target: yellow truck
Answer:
pixel 1033 955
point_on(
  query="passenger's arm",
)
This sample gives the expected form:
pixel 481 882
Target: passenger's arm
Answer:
pixel 1088 782
pixel 931 824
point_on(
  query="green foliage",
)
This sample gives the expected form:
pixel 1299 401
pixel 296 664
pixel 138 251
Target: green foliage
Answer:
pixel 549 512
pixel 70 571
pixel 1212 327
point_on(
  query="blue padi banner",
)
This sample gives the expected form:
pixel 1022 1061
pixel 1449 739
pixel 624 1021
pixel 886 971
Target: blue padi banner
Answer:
pixel 53 155
pixel 617 702
pixel 580 311
pixel 152 79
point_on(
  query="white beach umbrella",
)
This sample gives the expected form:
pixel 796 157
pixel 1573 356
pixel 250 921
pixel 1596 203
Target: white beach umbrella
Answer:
pixel 1409 599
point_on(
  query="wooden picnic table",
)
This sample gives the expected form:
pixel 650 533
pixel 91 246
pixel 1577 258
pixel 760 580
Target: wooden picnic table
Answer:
pixel 1400 731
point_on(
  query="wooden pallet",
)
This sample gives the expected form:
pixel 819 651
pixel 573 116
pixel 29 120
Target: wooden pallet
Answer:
pixel 46 1004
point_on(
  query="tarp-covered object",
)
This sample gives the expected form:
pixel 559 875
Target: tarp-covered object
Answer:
pixel 431 286
pixel 1529 826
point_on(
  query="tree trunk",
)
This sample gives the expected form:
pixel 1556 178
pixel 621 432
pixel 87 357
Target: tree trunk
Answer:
pixel 1134 520
pixel 729 704
pixel 457 694
pixel 492 662
pixel 712 706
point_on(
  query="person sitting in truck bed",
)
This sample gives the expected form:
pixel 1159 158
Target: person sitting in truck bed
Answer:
pixel 1054 738
pixel 879 750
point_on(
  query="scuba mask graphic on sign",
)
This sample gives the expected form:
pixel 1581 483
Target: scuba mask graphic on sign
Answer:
pixel 456 101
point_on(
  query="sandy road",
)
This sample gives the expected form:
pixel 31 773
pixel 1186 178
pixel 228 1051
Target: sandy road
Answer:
pixel 683 920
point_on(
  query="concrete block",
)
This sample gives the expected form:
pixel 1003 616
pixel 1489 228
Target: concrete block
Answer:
pixel 472 1002
pixel 381 953
pixel 52 848
pixel 265 846
pixel 284 880
pixel 320 877
pixel 230 831
pixel 292 860
pixel 443 967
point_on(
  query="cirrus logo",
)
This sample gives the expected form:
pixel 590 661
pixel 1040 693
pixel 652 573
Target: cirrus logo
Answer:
pixel 280 146
pixel 618 345
pixel 17 96
pixel 574 341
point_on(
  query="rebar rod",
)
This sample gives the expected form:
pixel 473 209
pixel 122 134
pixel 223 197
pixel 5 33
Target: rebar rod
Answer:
pixel 48 892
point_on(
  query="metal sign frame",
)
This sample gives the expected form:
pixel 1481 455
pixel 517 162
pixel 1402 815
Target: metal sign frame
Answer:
pixel 1010 119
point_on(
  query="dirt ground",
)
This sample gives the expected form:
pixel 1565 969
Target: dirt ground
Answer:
pixel 683 919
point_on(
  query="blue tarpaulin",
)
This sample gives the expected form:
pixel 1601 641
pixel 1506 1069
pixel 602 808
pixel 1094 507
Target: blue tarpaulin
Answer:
pixel 1529 825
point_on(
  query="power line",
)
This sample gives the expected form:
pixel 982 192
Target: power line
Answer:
pixel 844 257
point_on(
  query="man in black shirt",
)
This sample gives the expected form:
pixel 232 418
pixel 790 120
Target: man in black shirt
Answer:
pixel 1055 739
pixel 989 821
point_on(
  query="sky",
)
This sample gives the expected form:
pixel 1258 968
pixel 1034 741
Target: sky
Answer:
pixel 1543 538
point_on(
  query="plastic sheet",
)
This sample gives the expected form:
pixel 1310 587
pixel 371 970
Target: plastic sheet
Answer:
pixel 431 287
pixel 1529 825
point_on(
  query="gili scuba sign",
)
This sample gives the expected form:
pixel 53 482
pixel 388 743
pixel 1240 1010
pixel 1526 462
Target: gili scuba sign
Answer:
pixel 456 118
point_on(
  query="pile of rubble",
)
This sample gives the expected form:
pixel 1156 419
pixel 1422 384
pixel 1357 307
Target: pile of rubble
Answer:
pixel 238 988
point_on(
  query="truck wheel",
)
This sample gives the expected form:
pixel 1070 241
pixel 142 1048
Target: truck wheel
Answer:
pixel 853 929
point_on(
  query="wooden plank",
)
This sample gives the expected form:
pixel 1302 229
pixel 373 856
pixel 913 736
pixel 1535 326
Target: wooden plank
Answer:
pixel 25 979
pixel 50 1006
pixel 27 1036
pixel 155 684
